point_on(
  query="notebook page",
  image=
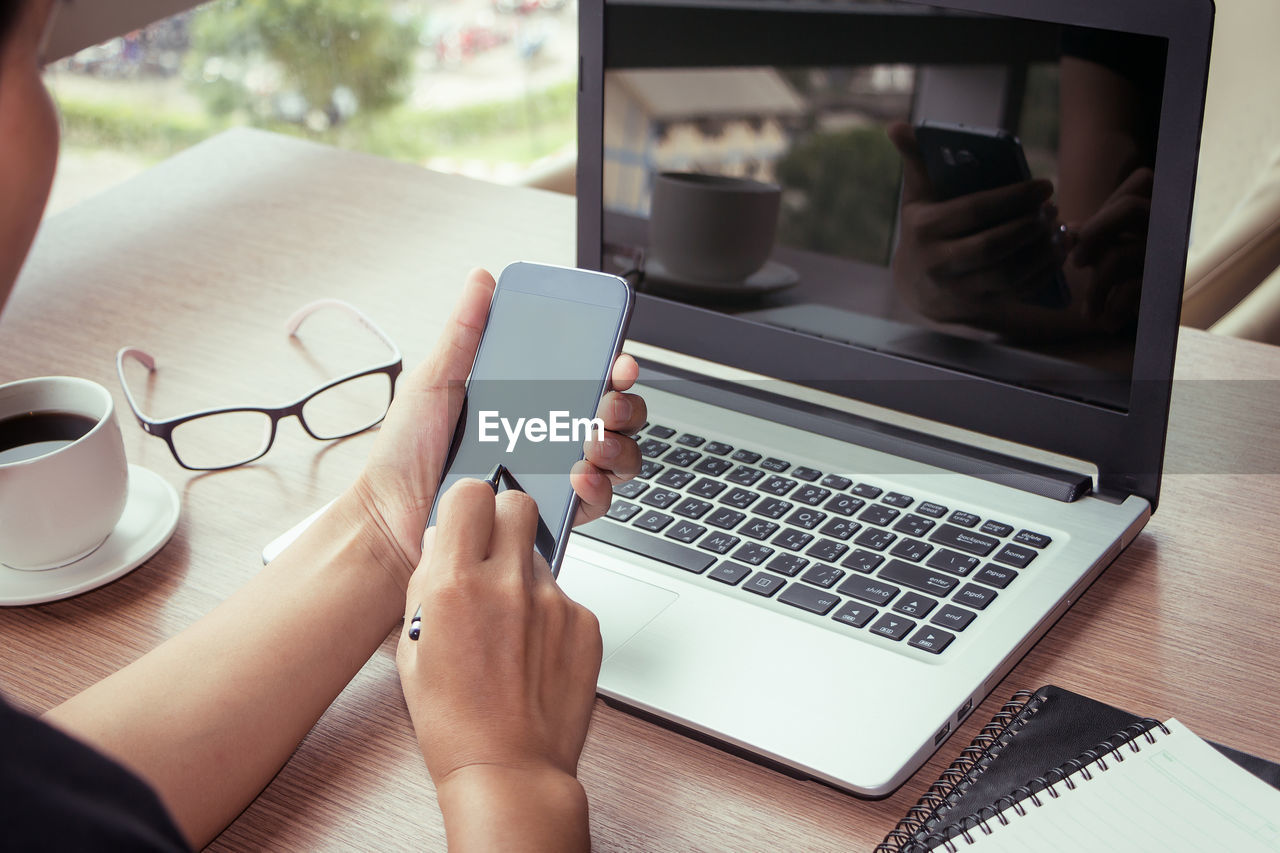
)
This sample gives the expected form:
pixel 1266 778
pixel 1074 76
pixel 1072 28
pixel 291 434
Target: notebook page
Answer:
pixel 1178 793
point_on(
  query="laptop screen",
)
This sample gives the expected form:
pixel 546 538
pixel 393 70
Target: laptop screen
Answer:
pixel 963 190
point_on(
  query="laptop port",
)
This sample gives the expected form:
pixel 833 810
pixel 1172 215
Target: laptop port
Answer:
pixel 942 734
pixel 964 709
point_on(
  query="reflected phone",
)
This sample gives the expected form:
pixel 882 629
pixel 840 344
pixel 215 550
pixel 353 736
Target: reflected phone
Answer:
pixel 961 160
pixel 542 366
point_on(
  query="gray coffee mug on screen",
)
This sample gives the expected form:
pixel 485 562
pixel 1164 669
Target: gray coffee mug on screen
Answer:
pixel 711 228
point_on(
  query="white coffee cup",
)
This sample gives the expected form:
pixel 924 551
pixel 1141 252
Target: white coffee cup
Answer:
pixel 63 499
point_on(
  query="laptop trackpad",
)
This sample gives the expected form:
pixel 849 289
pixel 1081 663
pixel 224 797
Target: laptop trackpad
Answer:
pixel 622 604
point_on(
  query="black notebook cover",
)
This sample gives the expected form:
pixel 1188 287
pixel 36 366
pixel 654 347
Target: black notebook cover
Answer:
pixel 1032 736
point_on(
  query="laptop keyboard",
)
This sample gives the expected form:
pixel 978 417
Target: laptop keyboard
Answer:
pixel 831 546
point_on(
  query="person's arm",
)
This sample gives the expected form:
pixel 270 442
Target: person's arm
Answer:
pixel 502 682
pixel 211 715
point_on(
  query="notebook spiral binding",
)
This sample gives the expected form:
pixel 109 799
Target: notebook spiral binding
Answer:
pixel 909 836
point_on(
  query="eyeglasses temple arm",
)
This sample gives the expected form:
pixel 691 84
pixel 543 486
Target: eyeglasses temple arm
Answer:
pixel 145 359
pixel 295 322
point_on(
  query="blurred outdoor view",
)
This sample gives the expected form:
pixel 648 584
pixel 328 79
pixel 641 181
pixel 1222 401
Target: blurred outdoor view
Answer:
pixel 485 88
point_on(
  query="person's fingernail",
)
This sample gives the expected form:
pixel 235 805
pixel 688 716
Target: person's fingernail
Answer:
pixel 609 448
pixel 621 409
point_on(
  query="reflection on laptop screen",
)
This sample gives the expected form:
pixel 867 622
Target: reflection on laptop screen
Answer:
pixel 965 190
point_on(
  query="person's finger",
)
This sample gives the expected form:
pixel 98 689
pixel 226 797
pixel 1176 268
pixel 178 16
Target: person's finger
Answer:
pixel 915 179
pixel 968 214
pixel 464 526
pixel 624 374
pixel 624 413
pixel 420 580
pixel 1126 215
pixel 515 532
pixel 594 490
pixel 991 247
pixel 615 453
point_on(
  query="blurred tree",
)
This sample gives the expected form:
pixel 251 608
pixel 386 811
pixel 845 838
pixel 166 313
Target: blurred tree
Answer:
pixel 840 193
pixel 330 56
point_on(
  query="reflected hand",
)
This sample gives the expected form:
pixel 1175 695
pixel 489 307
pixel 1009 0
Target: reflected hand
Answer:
pixel 1110 253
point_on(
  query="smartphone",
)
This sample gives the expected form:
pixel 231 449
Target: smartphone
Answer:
pixel 542 366
pixel 961 160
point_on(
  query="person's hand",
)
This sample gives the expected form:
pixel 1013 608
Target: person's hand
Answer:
pixel 962 259
pixel 397 487
pixel 501 684
pixel 1110 252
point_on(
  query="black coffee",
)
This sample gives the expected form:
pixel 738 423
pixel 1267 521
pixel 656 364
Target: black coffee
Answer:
pixel 33 434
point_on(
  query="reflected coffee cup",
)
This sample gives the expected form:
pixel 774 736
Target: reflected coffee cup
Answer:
pixel 63 473
pixel 711 228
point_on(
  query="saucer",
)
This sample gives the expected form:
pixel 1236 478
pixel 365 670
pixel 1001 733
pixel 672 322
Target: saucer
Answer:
pixel 149 519
pixel 772 277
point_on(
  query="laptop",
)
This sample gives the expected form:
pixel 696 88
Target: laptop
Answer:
pixel 880 468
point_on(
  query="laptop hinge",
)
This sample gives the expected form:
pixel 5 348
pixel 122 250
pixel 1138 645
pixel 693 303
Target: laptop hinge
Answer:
pixel 1036 478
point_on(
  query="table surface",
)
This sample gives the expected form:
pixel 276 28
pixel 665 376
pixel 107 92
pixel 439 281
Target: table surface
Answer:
pixel 201 259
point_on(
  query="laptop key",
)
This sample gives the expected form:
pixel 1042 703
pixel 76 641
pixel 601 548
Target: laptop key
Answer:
pixel 931 509
pixel 977 597
pixel 835 481
pixel 855 614
pixel 651 448
pixel 675 479
pixel 758 528
pixel 630 489
pixel 807 598
pixel 653 521
pixel 918 577
pixel 931 640
pixel 685 531
pixel 622 511
pixel 964 519
pixel 826 549
pixel 898 499
pixel 844 504
pixel 792 539
pixel 692 508
pixel 719 448
pixel 1015 555
pixel 718 542
pixel 774 508
pixel 682 456
pixel 914 604
pixel 823 575
pixel 840 528
pixel 806 518
pixel 744 476
pixel 729 573
pixel 777 485
pixel 661 498
pixel 746 456
pixel 892 626
pixel 708 489
pixel 869 590
pixel 788 564
pixel 689 440
pixel 911 549
pixel 878 514
pixel 775 465
pixel 1035 540
pixel 753 553
pixel 914 525
pixel 862 561
pixel 663 550
pixel 996 528
pixel 648 468
pixel 726 518
pixel 811 495
pixel 806 474
pixel 661 431
pixel 997 576
pixel 950 561
pixel 763 583
pixel 964 540
pixel 741 498
pixel 955 618
pixel 713 466
pixel 875 539
pixel 863 490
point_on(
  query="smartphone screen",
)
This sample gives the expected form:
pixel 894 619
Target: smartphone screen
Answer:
pixel 542 365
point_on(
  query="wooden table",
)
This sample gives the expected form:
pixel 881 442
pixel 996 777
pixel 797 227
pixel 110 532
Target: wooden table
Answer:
pixel 202 258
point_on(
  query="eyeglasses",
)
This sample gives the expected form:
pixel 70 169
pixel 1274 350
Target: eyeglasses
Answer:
pixel 216 439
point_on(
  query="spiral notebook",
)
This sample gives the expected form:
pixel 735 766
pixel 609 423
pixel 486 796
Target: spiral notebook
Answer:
pixel 1025 783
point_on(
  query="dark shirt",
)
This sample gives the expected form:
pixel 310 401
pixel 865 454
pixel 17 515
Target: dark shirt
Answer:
pixel 59 794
